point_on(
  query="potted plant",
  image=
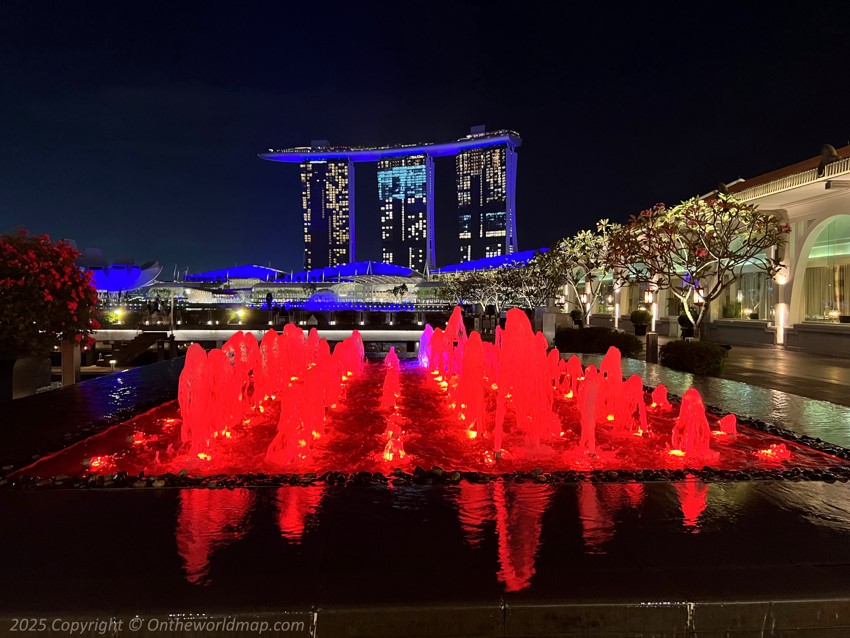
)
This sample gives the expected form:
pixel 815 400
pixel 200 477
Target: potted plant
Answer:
pixel 641 318
pixel 578 317
pixel 686 325
pixel 45 299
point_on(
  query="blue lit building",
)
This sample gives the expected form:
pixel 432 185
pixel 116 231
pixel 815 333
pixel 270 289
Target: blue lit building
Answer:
pixel 406 194
pixel 486 178
pixel 486 164
pixel 327 202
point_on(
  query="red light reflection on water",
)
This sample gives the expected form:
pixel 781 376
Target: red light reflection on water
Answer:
pixel 208 520
pixel 297 504
pixel 475 509
pixel 597 518
pixel 693 497
pixel 517 510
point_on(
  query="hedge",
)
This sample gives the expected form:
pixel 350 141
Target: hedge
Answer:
pixel 698 357
pixel 597 339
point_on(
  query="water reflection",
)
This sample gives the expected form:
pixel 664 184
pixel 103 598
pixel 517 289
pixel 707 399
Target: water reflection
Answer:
pixel 207 521
pixel 597 520
pixel 475 509
pixel 296 506
pixel 502 523
pixel 598 505
pixel 514 511
pixel 519 510
pixel 693 498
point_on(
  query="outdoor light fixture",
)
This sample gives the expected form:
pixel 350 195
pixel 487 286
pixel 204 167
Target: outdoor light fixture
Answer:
pixel 583 297
pixel 112 363
pixel 699 299
pixel 647 297
pixel 781 276
pixel 610 299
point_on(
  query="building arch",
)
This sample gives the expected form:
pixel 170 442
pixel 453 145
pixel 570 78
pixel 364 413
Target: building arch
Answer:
pixel 797 310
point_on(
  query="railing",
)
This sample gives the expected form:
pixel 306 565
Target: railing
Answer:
pixel 793 181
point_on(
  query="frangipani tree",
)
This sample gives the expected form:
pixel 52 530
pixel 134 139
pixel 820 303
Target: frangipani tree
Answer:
pixel 477 287
pixel 699 245
pixel 584 260
pixel 531 284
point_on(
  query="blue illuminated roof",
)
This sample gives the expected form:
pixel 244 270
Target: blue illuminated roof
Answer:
pixel 373 154
pixel 347 271
pixel 486 263
pixel 121 278
pixel 237 272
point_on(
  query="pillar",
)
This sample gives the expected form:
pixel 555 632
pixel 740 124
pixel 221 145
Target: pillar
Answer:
pixel 70 351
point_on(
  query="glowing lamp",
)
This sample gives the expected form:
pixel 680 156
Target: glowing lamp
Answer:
pixel 647 297
pixel 610 299
pixel 583 297
pixel 699 298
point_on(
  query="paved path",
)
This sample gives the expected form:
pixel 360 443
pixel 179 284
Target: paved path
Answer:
pixel 808 375
pixel 813 376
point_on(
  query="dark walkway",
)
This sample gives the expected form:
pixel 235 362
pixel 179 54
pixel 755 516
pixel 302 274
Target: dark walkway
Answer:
pixel 813 376
pixel 807 375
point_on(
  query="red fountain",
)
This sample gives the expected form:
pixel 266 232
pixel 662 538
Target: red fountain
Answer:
pixel 291 404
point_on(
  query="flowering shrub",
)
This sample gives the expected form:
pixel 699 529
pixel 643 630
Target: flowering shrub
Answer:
pixel 44 297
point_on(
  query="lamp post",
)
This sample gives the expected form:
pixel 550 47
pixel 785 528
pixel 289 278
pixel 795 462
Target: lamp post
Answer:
pixel 649 300
pixel 781 309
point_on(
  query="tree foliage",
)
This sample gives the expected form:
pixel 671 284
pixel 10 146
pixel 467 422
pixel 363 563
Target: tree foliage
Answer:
pixel 583 261
pixel 475 287
pixel 531 284
pixel 705 243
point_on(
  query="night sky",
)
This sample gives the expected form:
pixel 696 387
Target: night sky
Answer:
pixel 135 127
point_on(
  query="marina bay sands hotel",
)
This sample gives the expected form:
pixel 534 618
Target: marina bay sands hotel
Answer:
pixel 486 186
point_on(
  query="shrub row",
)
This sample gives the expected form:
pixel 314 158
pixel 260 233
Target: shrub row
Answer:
pixel 597 339
pixel 698 357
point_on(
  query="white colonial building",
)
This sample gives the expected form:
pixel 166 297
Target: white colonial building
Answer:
pixel 806 307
